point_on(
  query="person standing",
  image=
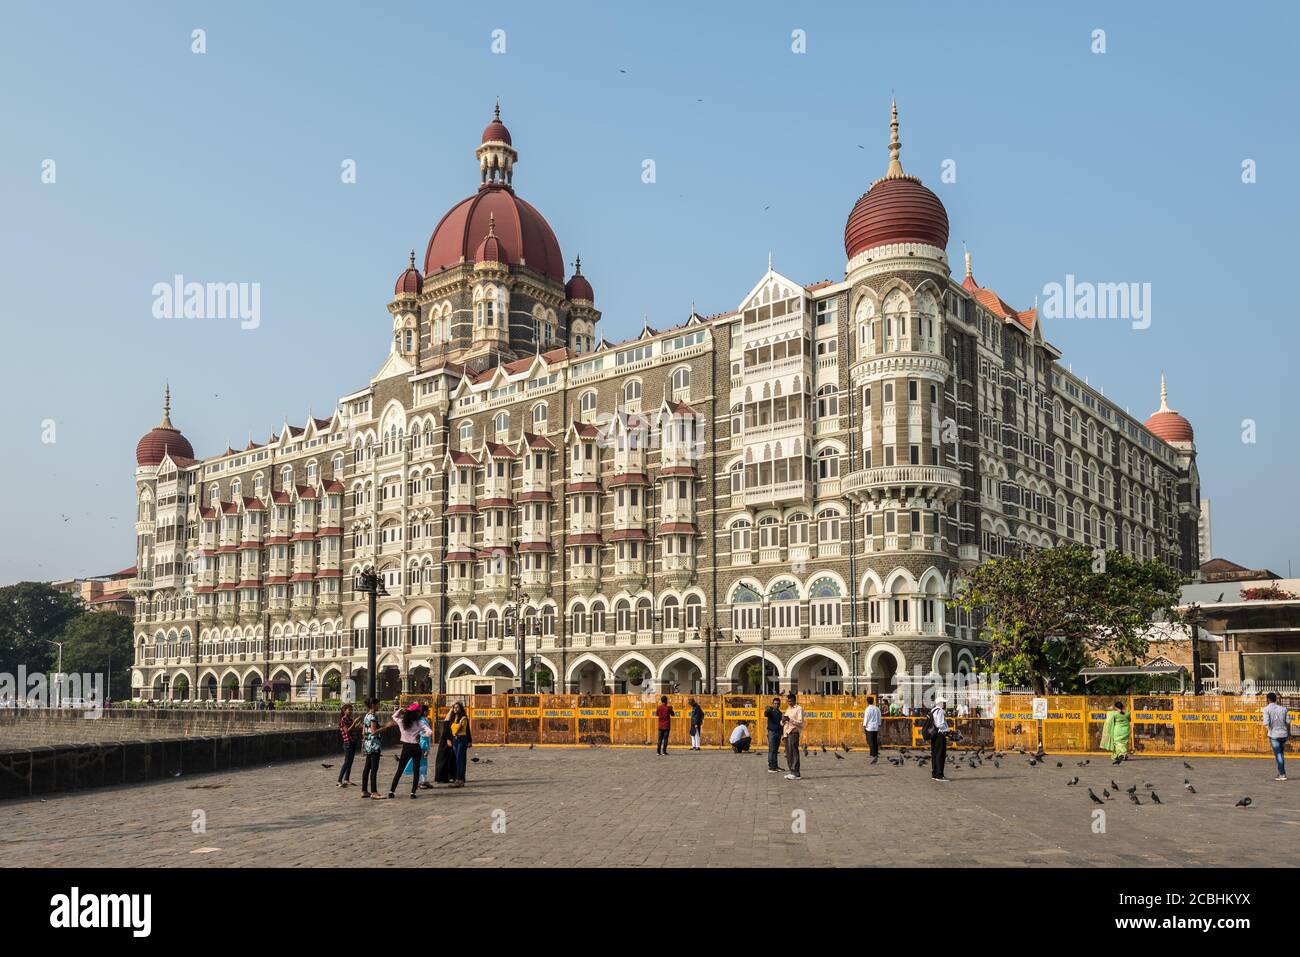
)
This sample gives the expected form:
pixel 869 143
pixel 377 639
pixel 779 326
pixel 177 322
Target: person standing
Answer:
pixel 1115 732
pixel 1278 725
pixel 373 746
pixel 347 731
pixel 426 740
pixel 408 724
pixel 937 726
pixel 774 721
pixel 792 727
pixel 664 719
pixel 697 724
pixel 871 726
pixel 461 741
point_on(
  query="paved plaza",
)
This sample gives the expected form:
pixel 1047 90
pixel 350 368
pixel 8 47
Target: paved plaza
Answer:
pixel 629 807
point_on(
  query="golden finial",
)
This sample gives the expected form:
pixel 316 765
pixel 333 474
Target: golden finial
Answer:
pixel 1164 395
pixel 167 407
pixel 492 224
pixel 895 169
pixel 969 274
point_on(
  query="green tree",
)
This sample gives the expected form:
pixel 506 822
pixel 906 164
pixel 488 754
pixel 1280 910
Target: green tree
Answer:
pixel 1049 613
pixel 93 642
pixel 31 615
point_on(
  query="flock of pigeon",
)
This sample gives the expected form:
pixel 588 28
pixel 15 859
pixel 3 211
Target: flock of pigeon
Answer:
pixel 980 756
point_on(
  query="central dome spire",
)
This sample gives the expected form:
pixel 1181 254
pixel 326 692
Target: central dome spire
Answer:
pixel 897 208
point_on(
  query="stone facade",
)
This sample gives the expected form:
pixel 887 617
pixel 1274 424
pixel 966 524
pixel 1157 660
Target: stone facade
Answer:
pixel 800 480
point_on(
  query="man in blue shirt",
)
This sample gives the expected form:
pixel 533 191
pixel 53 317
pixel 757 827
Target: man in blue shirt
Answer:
pixel 773 715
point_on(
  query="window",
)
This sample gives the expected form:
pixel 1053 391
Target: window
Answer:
pixel 502 425
pixel 681 382
pixel 587 404
pixel 632 391
pixel 539 416
pixel 828 402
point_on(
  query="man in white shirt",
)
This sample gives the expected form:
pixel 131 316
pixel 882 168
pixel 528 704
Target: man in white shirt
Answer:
pixel 740 739
pixel 939 740
pixel 1278 725
pixel 871 725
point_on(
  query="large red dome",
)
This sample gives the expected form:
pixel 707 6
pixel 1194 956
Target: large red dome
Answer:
pixel 525 237
pixel 162 439
pixel 896 209
pixel 899 210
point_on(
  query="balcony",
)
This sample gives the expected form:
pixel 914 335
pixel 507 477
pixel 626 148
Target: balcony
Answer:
pixel 797 490
pixel 932 481
pixel 585 578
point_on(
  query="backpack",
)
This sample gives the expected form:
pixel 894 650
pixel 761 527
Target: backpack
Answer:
pixel 928 729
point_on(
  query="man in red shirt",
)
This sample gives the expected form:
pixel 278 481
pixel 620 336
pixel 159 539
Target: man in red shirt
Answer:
pixel 664 714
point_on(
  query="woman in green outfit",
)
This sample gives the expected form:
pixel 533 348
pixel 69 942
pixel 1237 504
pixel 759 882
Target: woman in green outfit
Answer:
pixel 1114 733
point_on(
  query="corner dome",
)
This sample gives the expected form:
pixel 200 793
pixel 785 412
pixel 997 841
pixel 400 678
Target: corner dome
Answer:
pixel 578 288
pixel 162 439
pixel 897 208
pixel 1168 425
pixel 410 282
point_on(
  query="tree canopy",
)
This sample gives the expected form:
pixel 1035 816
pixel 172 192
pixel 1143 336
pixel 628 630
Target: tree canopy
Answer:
pixel 31 615
pixel 1051 612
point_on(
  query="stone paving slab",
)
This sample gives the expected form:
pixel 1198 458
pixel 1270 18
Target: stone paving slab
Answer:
pixel 603 807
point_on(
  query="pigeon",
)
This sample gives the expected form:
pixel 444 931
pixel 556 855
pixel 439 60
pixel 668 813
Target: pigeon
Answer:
pixel 1033 763
pixel 846 748
pixel 1190 789
pixel 1134 799
pixel 176 773
pixel 473 760
pixel 823 749
pixel 1187 766
pixel 1072 782
pixel 1113 784
pixel 997 764
pixel 531 746
pixel 1156 798
pixel 1105 793
pixel 1244 802
pixel 1133 789
pixel 1059 764
pixel 1095 799
pixel 873 760
pixel 838 756
pixel 327 766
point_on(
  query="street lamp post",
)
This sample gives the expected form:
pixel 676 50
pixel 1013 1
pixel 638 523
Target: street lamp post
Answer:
pixel 370 584
pixel 58 670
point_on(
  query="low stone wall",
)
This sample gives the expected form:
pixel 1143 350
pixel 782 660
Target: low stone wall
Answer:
pixel 23 728
pixel 29 771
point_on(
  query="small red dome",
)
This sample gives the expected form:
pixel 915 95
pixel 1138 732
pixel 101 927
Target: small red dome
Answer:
pixel 899 210
pixel 526 239
pixel 496 132
pixel 410 282
pixel 491 250
pixel 578 287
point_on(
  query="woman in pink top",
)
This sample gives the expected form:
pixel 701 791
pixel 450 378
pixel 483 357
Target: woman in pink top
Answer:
pixel 408 724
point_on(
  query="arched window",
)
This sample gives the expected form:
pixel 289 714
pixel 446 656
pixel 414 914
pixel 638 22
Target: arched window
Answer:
pixel 740 536
pixel 539 416
pixel 502 424
pixel 579 615
pixel 672 613
pixel 632 391
pixel 587 404
pixel 828 402
pixel 681 382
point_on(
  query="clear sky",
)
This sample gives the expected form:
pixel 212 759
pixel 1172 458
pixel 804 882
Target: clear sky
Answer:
pixel 1122 166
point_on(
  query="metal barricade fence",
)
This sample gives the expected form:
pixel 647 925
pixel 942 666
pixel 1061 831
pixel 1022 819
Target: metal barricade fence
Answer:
pixel 1161 724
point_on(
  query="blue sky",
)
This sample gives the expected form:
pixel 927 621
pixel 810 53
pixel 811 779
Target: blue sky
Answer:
pixel 225 166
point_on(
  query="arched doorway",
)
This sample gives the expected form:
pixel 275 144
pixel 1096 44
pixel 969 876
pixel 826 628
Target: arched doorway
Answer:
pixel 181 688
pixel 633 677
pixel 588 678
pixel 885 669
pixel 419 680
pixel 254 688
pixel 538 677
pixel 161 687
pixel 680 676
pixel 817 674
pixel 230 688
pixel 751 675
pixel 208 690
pixel 390 682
